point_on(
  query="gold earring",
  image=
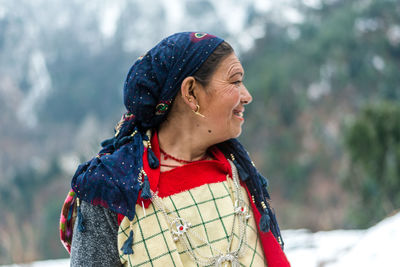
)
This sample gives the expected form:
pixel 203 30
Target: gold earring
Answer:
pixel 188 98
pixel 197 111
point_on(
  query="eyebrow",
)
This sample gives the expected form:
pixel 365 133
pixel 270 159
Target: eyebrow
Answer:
pixel 238 72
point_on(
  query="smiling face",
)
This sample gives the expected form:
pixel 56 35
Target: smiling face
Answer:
pixel 224 100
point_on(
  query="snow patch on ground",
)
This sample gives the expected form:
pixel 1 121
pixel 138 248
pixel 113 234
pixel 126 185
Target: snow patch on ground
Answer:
pixel 48 263
pixel 379 246
pixel 376 246
pixel 304 248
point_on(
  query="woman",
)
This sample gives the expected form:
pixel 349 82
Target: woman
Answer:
pixel 174 187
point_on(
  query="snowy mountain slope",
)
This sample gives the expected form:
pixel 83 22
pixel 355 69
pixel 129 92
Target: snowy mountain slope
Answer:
pixel 29 29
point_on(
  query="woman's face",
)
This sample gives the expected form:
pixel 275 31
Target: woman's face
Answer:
pixel 223 103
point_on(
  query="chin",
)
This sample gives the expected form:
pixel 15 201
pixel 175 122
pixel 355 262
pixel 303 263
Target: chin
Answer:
pixel 229 135
pixel 237 133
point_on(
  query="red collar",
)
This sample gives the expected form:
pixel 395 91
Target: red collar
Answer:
pixel 190 175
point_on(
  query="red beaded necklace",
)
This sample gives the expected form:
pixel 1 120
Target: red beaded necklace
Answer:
pixel 168 156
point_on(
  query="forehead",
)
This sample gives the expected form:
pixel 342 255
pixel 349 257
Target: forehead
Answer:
pixel 230 66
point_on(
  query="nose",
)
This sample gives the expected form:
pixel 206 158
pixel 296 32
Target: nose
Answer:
pixel 245 96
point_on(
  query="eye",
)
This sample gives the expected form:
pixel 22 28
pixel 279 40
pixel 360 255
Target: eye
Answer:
pixel 237 83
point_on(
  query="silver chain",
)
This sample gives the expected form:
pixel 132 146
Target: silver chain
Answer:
pixel 181 230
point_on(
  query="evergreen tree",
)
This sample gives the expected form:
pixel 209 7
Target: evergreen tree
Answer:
pixel 373 144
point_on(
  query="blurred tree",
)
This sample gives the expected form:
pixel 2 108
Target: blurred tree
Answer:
pixel 373 143
pixel 305 77
pixel 29 212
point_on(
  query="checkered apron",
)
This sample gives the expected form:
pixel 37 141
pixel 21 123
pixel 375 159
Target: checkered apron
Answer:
pixel 210 210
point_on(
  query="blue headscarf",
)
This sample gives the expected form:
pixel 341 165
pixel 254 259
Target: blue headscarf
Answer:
pixel 114 178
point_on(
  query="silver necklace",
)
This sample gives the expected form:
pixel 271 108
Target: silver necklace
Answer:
pixel 182 232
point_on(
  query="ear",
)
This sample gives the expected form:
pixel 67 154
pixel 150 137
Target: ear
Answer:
pixel 187 92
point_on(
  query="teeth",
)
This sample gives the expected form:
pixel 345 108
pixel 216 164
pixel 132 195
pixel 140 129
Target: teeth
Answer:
pixel 240 114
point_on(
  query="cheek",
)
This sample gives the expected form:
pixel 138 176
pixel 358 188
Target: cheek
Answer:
pixel 223 103
pixel 227 104
pixel 232 100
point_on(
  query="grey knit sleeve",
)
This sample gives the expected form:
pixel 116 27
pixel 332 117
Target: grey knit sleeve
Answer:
pixel 97 245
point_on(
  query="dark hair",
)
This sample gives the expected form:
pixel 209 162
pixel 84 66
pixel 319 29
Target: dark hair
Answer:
pixel 207 69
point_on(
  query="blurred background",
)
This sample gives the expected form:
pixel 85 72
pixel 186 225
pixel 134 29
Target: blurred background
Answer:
pixel 324 125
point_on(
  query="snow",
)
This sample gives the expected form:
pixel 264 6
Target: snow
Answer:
pixel 40 81
pixel 376 246
pixel 48 263
pixel 304 248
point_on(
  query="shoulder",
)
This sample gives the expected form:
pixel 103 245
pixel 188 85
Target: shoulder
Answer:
pixel 97 244
pixel 93 213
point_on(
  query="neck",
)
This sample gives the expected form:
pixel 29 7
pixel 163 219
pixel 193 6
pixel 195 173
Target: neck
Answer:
pixel 184 139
